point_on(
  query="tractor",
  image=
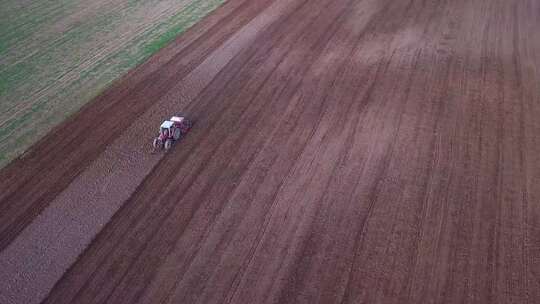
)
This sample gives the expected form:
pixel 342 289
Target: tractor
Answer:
pixel 170 131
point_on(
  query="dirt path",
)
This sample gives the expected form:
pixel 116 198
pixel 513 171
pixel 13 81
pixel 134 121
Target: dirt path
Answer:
pixel 351 151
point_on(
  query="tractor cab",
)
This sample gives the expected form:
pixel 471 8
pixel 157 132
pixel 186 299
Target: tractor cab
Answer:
pixel 165 128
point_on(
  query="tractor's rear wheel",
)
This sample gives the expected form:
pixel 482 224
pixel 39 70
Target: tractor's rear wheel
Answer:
pixel 157 143
pixel 177 133
pixel 168 144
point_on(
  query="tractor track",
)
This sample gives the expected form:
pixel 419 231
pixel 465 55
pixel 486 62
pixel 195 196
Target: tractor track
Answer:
pixel 350 151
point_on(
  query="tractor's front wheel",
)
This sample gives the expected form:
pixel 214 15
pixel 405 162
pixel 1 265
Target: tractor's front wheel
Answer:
pixel 157 143
pixel 168 144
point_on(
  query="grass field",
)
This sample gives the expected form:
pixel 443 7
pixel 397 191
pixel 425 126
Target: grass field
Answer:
pixel 57 55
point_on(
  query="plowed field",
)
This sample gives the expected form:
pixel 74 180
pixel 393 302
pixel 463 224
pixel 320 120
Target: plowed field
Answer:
pixel 344 151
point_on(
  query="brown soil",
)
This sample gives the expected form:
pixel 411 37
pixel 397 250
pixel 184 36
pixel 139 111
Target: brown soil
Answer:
pixel 349 151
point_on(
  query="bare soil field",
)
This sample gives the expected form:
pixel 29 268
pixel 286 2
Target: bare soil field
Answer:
pixel 344 151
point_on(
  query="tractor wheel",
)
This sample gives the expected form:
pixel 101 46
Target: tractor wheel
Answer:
pixel 157 143
pixel 177 133
pixel 168 144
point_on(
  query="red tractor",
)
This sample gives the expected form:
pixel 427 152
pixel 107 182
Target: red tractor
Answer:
pixel 171 131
